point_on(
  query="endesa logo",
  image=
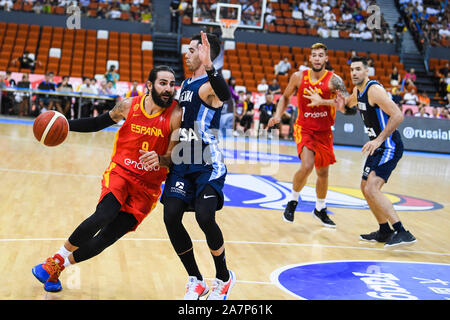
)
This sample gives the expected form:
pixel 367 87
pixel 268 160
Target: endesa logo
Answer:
pixel 315 114
pixel 139 165
pixel 365 280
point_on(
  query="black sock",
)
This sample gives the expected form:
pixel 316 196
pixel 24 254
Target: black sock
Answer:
pixel 398 227
pixel 190 265
pixel 221 267
pixel 384 228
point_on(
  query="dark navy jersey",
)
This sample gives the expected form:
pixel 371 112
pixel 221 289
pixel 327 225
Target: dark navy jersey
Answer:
pixel 199 127
pixel 375 119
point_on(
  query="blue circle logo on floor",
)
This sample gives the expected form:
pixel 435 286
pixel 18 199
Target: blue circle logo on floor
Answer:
pixel 365 280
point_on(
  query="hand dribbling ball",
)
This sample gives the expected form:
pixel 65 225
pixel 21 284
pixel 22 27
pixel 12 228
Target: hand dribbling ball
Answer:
pixel 51 128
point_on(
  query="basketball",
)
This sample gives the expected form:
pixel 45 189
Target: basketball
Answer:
pixel 51 128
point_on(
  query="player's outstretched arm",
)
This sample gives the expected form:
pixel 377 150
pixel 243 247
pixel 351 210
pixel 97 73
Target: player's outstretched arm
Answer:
pixel 216 91
pixel 103 121
pixel 292 87
pixel 346 104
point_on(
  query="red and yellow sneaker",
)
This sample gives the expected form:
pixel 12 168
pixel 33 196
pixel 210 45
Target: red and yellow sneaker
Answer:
pixel 220 289
pixel 195 289
pixel 48 273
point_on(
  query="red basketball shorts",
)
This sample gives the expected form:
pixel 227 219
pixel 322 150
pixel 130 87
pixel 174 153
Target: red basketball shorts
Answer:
pixel 321 142
pixel 135 197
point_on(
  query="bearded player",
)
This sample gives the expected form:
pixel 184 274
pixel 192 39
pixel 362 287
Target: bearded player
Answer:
pixel 131 185
pixel 312 130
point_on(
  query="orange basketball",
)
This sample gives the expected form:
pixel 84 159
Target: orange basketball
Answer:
pixel 51 128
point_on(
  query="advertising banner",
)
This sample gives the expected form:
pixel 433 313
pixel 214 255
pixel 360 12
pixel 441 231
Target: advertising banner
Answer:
pixel 418 134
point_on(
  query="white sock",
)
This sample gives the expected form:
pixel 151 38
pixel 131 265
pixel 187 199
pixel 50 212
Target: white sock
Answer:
pixel 67 262
pixel 320 204
pixel 63 252
pixel 294 195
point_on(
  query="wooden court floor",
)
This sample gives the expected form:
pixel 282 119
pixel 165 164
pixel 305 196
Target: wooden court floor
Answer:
pixel 46 192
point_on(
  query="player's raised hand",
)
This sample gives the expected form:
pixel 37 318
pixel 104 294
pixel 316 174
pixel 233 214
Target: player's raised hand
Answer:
pixel 314 96
pixel 340 101
pixel 204 53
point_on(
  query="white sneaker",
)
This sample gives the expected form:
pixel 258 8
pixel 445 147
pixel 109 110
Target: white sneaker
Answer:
pixel 195 289
pixel 220 289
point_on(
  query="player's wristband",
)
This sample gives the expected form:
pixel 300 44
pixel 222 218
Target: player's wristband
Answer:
pixel 350 110
pixel 218 84
pixel 91 124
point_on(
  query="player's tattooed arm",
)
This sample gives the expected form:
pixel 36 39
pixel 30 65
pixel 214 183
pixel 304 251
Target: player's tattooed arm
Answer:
pixel 344 101
pixel 94 124
pixel 120 110
pixel 338 85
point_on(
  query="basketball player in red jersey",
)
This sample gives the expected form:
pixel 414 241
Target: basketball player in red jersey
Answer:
pixel 312 130
pixel 131 185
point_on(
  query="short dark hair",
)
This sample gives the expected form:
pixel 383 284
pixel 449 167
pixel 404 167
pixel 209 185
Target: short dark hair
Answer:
pixel 364 60
pixel 155 70
pixel 214 43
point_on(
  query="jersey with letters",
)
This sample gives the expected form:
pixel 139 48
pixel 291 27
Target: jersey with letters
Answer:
pixel 198 132
pixel 317 118
pixel 374 118
pixel 142 131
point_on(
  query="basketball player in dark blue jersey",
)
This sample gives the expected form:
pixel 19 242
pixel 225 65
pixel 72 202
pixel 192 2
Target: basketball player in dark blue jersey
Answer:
pixel 381 117
pixel 197 174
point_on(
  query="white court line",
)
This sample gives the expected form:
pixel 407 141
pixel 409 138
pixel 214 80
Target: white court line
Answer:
pixel 254 243
pixel 51 173
pixel 237 242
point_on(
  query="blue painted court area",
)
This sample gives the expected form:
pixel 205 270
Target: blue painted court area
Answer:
pixel 263 156
pixel 365 280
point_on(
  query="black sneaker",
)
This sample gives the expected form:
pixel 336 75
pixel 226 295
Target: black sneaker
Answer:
pixel 323 217
pixel 288 214
pixel 403 238
pixel 377 236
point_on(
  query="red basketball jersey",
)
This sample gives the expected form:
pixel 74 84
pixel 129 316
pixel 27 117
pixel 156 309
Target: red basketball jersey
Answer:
pixel 317 118
pixel 142 131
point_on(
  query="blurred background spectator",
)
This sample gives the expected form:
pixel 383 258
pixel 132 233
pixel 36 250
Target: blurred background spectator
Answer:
pixel 282 67
pixel 112 75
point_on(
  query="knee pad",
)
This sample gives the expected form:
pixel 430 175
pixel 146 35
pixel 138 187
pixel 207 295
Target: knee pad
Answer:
pixel 205 217
pixel 173 211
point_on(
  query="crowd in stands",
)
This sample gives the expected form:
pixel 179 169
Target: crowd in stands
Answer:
pixel 428 21
pixel 131 10
pixel 442 76
pixel 243 109
pixel 428 18
pixel 18 102
pixel 336 18
pixel 402 87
